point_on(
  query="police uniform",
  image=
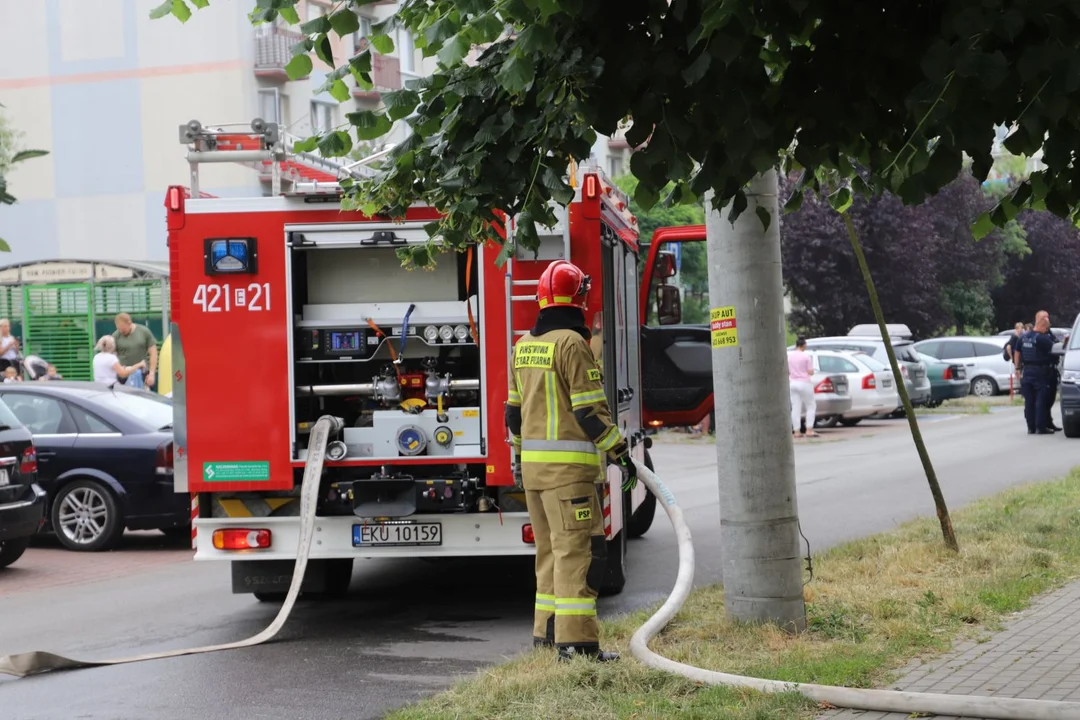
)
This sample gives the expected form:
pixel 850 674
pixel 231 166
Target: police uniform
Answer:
pixel 561 428
pixel 1038 360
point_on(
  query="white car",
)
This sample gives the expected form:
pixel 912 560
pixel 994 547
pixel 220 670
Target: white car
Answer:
pixel 983 358
pixel 871 384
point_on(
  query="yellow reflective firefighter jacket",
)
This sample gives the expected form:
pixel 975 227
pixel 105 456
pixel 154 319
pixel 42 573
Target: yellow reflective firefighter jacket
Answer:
pixel 565 422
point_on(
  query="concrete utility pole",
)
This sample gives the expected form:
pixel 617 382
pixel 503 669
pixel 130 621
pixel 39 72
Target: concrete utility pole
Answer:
pixel 759 518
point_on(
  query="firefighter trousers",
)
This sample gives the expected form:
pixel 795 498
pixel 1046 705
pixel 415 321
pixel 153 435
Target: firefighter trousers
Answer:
pixel 571 555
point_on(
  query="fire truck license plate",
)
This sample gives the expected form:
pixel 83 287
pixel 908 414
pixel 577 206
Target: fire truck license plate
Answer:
pixel 389 534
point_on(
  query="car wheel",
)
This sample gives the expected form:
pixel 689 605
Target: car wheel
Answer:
pixel 827 422
pixel 984 387
pixel 12 550
pixel 1071 429
pixel 850 422
pixel 933 403
pixel 270 597
pixel 86 517
pixel 615 570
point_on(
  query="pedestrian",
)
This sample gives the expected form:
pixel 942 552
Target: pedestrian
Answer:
pixel 9 347
pixel 560 425
pixel 1053 376
pixel 800 372
pixel 11 375
pixel 1014 340
pixel 1035 360
pixel 134 344
pixel 51 373
pixel 107 366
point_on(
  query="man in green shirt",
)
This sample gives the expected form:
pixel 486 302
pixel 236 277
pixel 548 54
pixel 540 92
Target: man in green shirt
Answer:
pixel 135 343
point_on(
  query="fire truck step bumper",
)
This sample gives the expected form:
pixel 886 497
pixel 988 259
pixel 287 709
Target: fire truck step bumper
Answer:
pixel 457 535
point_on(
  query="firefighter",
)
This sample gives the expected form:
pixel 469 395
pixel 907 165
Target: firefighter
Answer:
pixel 561 428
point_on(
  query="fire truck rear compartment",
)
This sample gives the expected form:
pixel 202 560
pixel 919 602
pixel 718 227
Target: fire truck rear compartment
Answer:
pixel 392 352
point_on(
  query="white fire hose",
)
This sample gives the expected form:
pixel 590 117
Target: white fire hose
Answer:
pixel 37 662
pixel 991 708
pixel 969 706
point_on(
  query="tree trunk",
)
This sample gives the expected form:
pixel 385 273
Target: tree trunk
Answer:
pixel 759 519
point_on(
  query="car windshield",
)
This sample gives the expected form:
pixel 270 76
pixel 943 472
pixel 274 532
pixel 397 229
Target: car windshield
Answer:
pixel 147 408
pixel 7 418
pixel 870 362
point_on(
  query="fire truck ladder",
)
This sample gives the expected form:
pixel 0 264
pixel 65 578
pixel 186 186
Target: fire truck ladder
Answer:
pixel 265 143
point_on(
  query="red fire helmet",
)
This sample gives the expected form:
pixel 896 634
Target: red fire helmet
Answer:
pixel 563 284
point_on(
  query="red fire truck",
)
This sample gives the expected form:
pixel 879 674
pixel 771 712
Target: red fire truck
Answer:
pixel 286 308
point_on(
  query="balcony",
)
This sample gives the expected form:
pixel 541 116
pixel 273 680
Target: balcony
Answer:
pixel 385 76
pixel 273 50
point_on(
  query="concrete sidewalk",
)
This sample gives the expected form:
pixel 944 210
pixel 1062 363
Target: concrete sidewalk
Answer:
pixel 1036 656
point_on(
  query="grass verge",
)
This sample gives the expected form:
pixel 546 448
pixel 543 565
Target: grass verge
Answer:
pixel 873 605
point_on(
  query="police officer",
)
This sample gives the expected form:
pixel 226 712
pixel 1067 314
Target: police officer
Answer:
pixel 1036 356
pixel 1054 376
pixel 561 428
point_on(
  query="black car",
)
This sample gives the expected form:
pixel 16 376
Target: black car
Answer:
pixel 105 458
pixel 22 501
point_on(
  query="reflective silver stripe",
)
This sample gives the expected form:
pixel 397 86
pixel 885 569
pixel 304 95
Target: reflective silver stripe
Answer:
pixel 562 445
pixel 575 606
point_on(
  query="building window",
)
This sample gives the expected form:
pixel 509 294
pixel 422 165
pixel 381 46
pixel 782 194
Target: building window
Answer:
pixel 362 37
pixel 615 163
pixel 406 51
pixel 270 105
pixel 322 117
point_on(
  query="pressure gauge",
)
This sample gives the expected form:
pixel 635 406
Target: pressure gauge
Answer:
pixel 461 332
pixel 431 333
pixel 411 440
pixel 446 333
pixel 336 450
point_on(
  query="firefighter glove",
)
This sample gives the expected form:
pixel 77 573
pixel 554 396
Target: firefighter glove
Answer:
pixel 629 472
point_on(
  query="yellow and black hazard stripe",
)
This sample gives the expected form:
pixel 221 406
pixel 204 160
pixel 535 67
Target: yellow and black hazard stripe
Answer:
pixel 245 505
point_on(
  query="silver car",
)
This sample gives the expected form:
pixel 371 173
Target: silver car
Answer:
pixel 911 365
pixel 983 357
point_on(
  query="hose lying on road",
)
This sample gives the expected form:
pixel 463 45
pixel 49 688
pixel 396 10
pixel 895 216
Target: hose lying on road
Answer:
pixel 968 706
pixel 37 662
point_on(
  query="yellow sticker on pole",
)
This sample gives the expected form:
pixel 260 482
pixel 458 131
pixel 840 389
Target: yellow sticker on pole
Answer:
pixel 722 326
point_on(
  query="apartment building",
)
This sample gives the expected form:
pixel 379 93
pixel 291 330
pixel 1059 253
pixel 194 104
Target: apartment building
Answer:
pixel 104 88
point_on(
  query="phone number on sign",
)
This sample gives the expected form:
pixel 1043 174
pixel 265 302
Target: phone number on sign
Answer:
pixel 226 298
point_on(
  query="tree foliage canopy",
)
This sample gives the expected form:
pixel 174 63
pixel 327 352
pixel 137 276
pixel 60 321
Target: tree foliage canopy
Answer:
pixel 11 152
pixel 930 272
pixel 718 91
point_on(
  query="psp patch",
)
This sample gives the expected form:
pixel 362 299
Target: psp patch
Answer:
pixel 583 514
pixel 594 374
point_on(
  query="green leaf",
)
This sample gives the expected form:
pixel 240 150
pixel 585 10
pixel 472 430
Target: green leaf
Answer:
pixel 200 4
pixel 181 10
pixel 306 145
pixel 516 74
pixel 553 183
pixel 28 154
pixel 324 50
pixel 486 28
pixel 4 247
pixel 361 63
pixel 697 69
pixel 335 144
pixel 298 67
pixel 317 26
pixel 454 50
pixel 794 202
pixel 646 196
pixel 289 15
pixel 764 216
pixel 982 227
pixel 383 44
pixel 162 10
pixel 339 91
pixel 841 200
pixel 369 125
pixel 345 22
pixel 400 103
pixel 440 30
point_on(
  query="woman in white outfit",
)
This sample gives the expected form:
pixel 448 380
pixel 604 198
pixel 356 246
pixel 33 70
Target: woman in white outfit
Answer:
pixel 9 347
pixel 107 367
pixel 800 376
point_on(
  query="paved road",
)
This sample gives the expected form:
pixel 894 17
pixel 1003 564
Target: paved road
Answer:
pixel 410 627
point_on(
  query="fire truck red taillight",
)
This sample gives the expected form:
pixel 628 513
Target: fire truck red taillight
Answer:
pixel 590 186
pixel 241 539
pixel 174 199
pixel 527 536
pixel 28 461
